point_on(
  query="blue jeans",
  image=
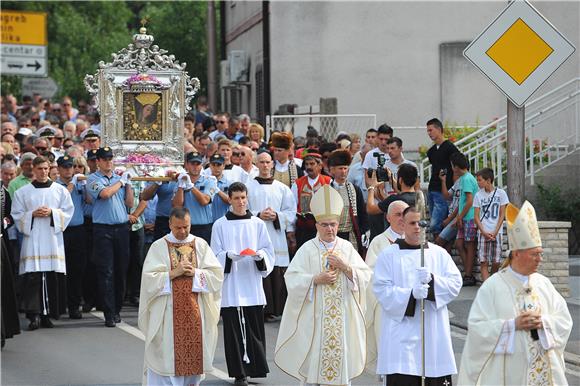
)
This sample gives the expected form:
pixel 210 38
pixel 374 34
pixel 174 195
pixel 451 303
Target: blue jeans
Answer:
pixel 438 209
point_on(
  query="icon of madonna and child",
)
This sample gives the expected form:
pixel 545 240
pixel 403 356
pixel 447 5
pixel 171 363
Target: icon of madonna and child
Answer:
pixel 142 115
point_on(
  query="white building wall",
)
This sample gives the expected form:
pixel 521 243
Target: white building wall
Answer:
pixel 384 58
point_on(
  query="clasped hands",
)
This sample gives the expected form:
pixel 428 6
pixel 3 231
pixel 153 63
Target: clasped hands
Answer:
pixel 335 264
pixel 268 214
pixel 183 268
pixel 529 320
pixel 421 288
pixel 43 211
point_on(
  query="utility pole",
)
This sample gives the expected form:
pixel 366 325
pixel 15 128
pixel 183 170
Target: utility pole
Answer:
pixel 516 154
pixel 212 91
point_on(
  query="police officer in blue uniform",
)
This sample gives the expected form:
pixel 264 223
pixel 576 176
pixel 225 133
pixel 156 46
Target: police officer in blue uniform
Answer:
pixel 196 192
pixel 221 202
pixel 90 292
pixel 112 198
pixel 75 238
pixel 164 192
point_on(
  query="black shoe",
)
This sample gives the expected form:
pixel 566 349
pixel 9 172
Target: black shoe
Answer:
pixel 75 314
pixel 109 323
pixel 117 318
pixel 34 323
pixel 45 322
pixel 134 301
pixel 87 307
pixel 468 281
pixel 241 381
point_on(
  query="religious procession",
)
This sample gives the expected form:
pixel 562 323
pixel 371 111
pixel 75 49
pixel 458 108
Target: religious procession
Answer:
pixel 153 235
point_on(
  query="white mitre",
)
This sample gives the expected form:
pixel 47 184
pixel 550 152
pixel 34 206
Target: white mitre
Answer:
pixel 522 227
pixel 326 204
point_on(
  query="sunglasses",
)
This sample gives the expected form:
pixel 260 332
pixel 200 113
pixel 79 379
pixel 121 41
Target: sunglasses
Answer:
pixel 66 104
pixel 255 148
pixel 41 148
pixel 222 122
pixel 242 154
pixel 66 146
pixel 61 138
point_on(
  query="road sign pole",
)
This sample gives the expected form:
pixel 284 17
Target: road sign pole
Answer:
pixel 516 154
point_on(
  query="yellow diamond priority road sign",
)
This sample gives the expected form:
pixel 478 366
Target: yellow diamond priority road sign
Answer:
pixel 519 51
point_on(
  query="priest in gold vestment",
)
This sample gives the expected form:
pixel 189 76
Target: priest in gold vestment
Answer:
pixel 321 340
pixel 179 306
pixel 518 324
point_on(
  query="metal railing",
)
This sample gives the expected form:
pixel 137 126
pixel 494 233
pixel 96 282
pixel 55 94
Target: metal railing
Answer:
pixel 327 125
pixel 552 130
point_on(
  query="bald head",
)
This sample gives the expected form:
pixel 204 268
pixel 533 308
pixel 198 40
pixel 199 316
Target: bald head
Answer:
pixel 395 215
pixel 265 164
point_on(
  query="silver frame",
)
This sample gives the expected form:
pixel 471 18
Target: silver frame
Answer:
pixel 170 79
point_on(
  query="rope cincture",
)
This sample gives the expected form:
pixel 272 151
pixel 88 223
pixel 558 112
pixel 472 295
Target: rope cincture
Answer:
pixel 242 322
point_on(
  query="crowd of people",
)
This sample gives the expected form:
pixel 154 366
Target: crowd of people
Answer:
pixel 321 234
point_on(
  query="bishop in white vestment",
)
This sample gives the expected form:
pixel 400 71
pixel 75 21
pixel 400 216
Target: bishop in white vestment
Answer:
pixel 243 248
pixel 179 306
pixel 373 311
pixel 399 285
pixel 41 211
pixel 321 339
pixel 273 202
pixel 518 324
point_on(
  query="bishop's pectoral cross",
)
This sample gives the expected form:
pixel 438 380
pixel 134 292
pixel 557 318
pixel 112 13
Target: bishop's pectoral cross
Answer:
pixel 446 383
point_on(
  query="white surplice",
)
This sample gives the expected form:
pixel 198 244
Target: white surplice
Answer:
pixel 156 310
pixel 373 311
pixel 400 339
pixel 42 246
pixel 321 339
pixel 243 284
pixel 495 353
pixel 278 197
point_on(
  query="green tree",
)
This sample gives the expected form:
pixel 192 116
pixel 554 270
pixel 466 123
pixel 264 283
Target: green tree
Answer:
pixel 80 34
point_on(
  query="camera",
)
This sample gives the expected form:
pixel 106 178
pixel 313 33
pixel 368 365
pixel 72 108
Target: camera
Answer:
pixel 443 172
pixel 382 173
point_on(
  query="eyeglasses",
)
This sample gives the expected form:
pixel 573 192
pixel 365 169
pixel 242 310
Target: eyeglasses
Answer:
pixel 241 154
pixel 61 138
pixel 41 148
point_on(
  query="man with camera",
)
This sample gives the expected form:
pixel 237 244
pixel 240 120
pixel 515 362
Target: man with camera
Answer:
pixel 406 181
pixel 374 163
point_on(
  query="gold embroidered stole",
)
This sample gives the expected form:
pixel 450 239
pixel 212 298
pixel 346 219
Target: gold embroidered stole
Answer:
pixel 187 324
pixel 332 337
pixel 539 369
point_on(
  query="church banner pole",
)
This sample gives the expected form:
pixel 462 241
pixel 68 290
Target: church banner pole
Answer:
pixel 423 224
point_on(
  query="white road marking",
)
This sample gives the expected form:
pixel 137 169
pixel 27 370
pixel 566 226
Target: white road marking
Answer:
pixel 139 335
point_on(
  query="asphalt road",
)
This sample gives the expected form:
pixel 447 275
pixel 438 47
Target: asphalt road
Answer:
pixel 84 352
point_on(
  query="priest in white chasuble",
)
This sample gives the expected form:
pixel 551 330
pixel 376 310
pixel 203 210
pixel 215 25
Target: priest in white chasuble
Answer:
pixel 274 203
pixel 321 340
pixel 373 311
pixel 399 284
pixel 519 324
pixel 42 210
pixel 243 248
pixel 179 306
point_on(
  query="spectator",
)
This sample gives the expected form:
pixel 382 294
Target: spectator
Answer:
pixel 256 133
pixel 371 138
pixel 244 124
pixel 490 205
pixel 466 229
pixel 69 112
pixel 439 155
pixel 447 236
pixel 221 122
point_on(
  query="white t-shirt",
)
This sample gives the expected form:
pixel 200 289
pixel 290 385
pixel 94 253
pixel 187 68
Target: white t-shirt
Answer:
pixel 483 199
pixel 370 161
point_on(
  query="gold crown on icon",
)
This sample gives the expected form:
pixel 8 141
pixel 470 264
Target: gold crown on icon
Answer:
pixel 147 98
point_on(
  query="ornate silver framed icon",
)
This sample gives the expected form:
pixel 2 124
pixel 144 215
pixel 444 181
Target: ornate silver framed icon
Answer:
pixel 143 96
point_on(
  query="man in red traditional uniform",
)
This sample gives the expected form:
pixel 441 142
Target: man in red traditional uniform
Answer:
pixel 303 189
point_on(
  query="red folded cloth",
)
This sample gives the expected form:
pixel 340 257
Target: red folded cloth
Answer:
pixel 248 252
